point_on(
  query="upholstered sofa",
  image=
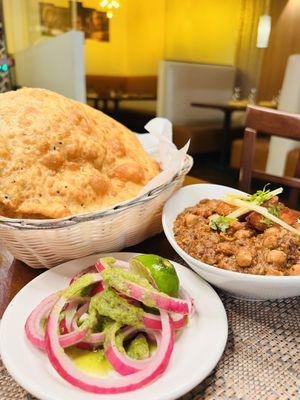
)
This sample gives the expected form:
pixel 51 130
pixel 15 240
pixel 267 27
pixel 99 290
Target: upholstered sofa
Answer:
pixel 181 83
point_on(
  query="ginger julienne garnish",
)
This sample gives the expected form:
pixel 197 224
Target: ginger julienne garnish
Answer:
pixel 245 204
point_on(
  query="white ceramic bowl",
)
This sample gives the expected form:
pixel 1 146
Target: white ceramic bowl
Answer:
pixel 248 286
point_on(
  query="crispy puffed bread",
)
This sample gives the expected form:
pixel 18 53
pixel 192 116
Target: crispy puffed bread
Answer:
pixel 59 157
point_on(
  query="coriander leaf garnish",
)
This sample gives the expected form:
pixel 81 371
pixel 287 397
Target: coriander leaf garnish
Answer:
pixel 274 210
pixel 264 195
pixel 266 221
pixel 219 222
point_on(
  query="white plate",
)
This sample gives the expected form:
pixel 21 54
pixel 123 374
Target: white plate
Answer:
pixel 196 352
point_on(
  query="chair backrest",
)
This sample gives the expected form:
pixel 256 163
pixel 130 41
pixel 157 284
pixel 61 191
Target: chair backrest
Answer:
pixel 181 83
pixel 273 123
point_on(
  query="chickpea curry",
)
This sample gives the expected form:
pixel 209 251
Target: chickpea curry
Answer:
pixel 250 234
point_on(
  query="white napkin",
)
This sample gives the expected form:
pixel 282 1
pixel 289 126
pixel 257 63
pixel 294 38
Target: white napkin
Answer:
pixel 158 143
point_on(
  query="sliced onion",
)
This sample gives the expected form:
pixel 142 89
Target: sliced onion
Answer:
pixel 63 327
pixel 92 338
pixel 155 299
pixel 122 264
pixel 99 266
pixel 68 370
pixel 82 310
pixel 152 321
pixel 71 309
pixel 179 321
pixel 71 338
pixel 69 315
pixel 87 270
pixel 34 324
pixel 98 288
pixel 124 364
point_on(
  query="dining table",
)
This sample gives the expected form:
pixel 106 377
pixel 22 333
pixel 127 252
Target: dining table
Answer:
pixel 261 360
pixel 227 109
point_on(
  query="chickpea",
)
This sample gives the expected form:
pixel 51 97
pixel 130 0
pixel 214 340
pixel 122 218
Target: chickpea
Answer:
pixel 243 258
pixel 190 220
pixel 203 210
pixel 243 234
pixel 295 270
pixel 276 257
pixel 225 248
pixel 271 232
pixel 270 242
pixel 236 225
pixel 223 208
pixel 274 272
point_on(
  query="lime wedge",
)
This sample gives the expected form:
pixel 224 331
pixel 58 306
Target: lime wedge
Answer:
pixel 158 271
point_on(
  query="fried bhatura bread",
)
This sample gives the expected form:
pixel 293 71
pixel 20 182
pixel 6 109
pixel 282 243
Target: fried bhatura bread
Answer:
pixel 59 157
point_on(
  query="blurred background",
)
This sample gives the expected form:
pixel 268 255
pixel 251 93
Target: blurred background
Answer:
pixel 197 62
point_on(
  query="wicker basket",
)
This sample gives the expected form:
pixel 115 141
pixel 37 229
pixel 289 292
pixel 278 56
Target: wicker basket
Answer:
pixel 46 243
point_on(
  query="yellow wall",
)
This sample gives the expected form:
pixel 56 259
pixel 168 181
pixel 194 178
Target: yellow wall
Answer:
pixel 142 32
pixel 202 30
pixel 136 42
pixel 145 33
pixel 108 58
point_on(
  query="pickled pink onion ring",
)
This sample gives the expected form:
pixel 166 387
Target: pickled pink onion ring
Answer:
pixel 68 370
pixel 87 270
pixel 91 338
pixel 98 287
pixel 120 263
pixel 156 299
pixel 121 362
pixel 34 323
pixel 152 321
pixel 99 266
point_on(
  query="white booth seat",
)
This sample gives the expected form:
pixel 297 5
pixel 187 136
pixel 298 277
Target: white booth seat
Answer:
pixel 289 101
pixel 56 64
pixel 180 83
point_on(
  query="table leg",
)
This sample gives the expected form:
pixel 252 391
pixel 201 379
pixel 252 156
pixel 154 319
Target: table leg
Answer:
pixel 117 101
pixel 105 105
pixel 225 149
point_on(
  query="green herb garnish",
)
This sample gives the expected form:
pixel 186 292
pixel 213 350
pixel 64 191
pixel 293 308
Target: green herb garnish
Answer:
pixel 266 221
pixel 261 196
pixel 219 222
pixel 274 210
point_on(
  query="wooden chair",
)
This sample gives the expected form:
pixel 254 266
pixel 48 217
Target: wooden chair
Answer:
pixel 272 123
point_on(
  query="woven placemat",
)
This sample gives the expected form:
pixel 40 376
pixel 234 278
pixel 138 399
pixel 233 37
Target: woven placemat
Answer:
pixel 261 360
